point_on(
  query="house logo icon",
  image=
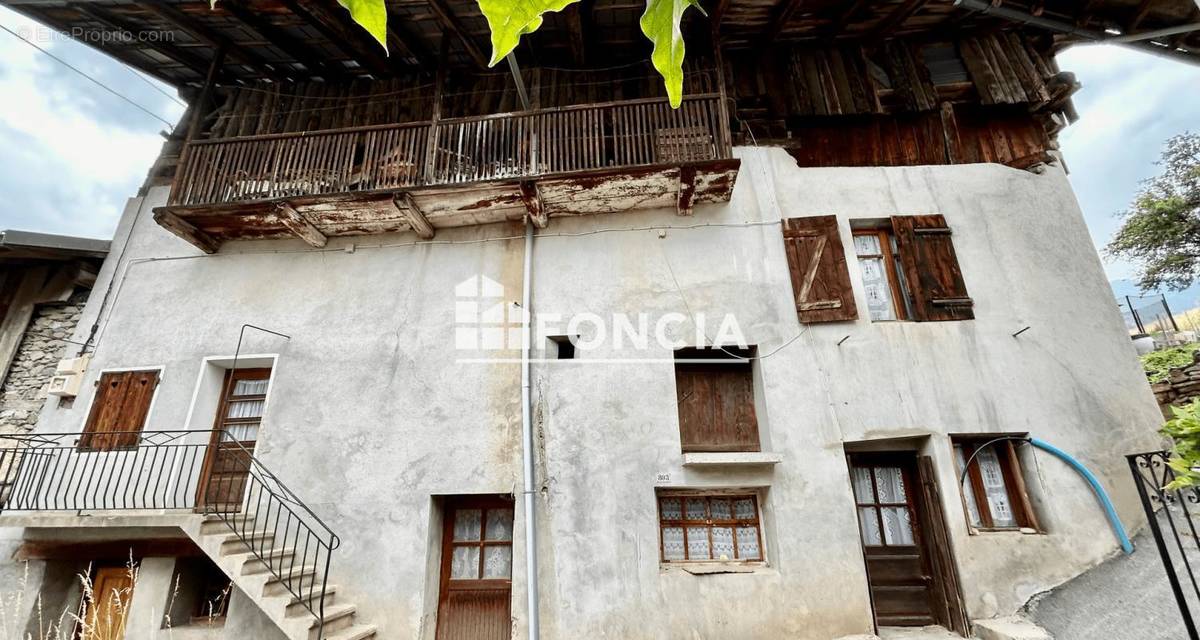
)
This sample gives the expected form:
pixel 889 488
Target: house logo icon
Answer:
pixel 484 320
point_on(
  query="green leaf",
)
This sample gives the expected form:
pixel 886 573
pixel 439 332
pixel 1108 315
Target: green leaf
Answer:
pixel 511 19
pixel 660 23
pixel 370 15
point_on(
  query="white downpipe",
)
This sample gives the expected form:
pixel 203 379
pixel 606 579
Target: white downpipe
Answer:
pixel 531 570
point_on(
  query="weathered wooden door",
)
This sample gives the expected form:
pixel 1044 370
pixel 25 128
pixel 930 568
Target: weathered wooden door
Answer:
pixel 886 494
pixel 476 579
pixel 239 416
pixel 112 591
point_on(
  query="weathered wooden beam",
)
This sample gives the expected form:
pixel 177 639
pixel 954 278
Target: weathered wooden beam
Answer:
pixel 281 40
pixel 687 191
pixel 531 196
pixel 450 22
pixel 299 225
pixel 407 206
pixel 895 19
pixel 348 41
pixel 1139 15
pixel 576 32
pixel 186 231
pixel 208 36
pixel 845 14
pixel 120 25
pixel 406 44
pixel 779 20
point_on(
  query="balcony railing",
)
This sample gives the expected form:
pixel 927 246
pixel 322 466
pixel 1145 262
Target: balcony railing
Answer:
pixel 202 471
pixel 529 144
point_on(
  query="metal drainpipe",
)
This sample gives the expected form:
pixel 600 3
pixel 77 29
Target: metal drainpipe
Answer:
pixel 1062 27
pixel 530 491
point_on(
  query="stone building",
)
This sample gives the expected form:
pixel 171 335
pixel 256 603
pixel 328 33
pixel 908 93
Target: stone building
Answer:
pixel 400 347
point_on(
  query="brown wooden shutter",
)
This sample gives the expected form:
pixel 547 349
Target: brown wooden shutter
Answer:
pixel 820 280
pixel 119 410
pixel 949 608
pixel 716 407
pixel 935 282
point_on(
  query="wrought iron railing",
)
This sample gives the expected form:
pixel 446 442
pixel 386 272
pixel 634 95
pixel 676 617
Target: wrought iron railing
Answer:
pixel 1170 514
pixel 204 471
pixel 527 144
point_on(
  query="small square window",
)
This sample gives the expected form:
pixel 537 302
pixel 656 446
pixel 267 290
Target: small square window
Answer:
pixel 710 527
pixel 993 490
pixel 715 395
pixel 200 593
pixel 561 347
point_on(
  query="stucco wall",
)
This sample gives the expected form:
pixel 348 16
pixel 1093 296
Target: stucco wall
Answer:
pixel 371 413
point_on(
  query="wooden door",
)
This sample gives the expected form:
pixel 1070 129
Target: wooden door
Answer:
pixel 886 494
pixel 239 416
pixel 112 591
pixel 476 579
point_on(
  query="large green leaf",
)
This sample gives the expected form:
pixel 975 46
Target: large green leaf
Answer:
pixel 371 15
pixel 511 19
pixel 660 23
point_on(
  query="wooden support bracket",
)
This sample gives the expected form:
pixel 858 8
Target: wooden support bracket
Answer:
pixel 405 204
pixel 687 191
pixel 299 225
pixel 187 231
pixel 532 197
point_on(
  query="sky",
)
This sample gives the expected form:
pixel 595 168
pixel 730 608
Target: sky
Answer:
pixel 72 153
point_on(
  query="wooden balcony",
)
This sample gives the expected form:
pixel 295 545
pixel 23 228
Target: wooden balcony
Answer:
pixel 423 176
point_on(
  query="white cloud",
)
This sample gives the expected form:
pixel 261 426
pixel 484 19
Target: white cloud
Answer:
pixel 72 152
pixel 1131 102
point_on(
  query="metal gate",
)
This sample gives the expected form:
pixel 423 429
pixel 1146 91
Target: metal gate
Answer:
pixel 1172 517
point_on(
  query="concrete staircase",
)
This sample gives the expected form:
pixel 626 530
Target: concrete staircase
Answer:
pixel 253 577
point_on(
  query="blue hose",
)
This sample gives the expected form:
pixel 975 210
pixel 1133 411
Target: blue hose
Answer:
pixel 1118 528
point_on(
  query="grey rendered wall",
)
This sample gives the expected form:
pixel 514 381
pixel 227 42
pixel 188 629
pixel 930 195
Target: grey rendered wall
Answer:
pixel 371 414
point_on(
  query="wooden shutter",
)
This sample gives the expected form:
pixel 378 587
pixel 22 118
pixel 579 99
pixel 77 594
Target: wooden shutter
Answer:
pixel 935 282
pixel 119 410
pixel 949 608
pixel 820 280
pixel 716 407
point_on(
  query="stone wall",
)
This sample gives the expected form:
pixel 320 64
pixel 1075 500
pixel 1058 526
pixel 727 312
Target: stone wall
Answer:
pixel 24 390
pixel 1182 385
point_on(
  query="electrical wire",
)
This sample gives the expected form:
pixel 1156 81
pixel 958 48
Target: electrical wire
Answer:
pixel 138 74
pixel 85 75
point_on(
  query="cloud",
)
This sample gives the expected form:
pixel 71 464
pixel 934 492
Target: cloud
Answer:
pixel 72 153
pixel 1131 102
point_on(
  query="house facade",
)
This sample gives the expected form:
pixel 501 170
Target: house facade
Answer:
pixel 766 366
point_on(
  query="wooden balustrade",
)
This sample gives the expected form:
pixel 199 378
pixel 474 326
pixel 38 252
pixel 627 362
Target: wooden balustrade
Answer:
pixel 522 145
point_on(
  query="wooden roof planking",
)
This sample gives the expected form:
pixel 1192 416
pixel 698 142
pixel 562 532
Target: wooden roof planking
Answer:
pixel 303 39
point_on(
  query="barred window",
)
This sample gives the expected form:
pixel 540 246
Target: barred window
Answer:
pixel 709 527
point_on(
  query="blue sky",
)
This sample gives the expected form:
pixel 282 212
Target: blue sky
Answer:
pixel 73 153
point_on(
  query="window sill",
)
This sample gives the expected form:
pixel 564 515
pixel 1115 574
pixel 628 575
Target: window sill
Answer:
pixel 1023 530
pixel 732 459
pixel 716 568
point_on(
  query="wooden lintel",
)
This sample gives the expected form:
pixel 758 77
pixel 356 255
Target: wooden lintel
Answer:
pixel 186 231
pixel 451 23
pixel 299 225
pixel 416 218
pixel 168 546
pixel 687 191
pixel 531 196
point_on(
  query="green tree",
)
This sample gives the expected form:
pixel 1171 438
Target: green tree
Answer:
pixel 1161 231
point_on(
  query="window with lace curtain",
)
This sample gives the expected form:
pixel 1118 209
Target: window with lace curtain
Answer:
pixel 710 527
pixel 993 490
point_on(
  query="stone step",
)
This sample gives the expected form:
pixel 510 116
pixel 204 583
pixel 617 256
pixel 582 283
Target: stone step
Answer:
pixel 357 632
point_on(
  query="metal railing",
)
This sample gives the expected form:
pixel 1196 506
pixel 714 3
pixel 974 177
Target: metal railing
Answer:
pixel 204 471
pixel 527 144
pixel 1170 514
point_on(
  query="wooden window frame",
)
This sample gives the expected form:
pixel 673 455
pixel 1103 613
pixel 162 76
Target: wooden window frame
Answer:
pixel 484 504
pixel 885 235
pixel 708 523
pixel 232 376
pixel 911 486
pixel 1014 484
